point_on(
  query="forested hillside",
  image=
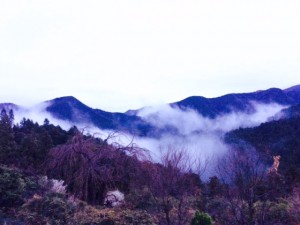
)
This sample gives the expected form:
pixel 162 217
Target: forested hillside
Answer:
pixel 52 176
pixel 280 137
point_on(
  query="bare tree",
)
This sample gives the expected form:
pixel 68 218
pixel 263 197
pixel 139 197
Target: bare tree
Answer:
pixel 245 174
pixel 90 166
pixel 173 184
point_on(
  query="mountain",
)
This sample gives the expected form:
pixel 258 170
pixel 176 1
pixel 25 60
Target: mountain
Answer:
pixel 290 112
pixel 212 107
pixel 236 102
pixel 72 110
pixel 9 106
pixel 295 88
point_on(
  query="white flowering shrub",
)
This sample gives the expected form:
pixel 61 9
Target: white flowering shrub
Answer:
pixel 114 198
pixel 56 186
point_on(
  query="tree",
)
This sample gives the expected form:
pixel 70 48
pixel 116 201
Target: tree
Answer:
pixel 90 167
pixel 46 122
pixel 7 142
pixel 245 174
pixel 174 185
pixel 11 116
pixel 12 186
pixel 201 218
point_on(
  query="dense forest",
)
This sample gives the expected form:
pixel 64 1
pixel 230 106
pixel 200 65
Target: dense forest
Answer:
pixel 52 176
pixel 280 137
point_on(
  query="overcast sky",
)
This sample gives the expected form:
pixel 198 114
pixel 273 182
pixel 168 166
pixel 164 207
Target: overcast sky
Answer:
pixel 119 55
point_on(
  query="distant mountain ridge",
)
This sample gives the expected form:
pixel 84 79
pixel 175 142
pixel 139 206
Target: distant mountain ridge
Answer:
pixel 212 107
pixel 295 88
pixel 9 106
pixel 238 102
pixel 72 110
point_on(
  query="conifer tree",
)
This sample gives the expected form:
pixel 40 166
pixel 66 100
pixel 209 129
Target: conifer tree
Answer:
pixel 7 142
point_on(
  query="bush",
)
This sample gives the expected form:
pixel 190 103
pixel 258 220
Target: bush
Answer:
pixel 201 218
pixel 12 187
pixel 88 215
pixel 274 212
pixel 53 208
pixel 52 185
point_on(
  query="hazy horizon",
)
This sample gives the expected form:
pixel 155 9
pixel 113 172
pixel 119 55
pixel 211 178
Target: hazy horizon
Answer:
pixel 121 55
pixel 160 104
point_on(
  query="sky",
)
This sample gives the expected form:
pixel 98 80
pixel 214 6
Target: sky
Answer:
pixel 118 55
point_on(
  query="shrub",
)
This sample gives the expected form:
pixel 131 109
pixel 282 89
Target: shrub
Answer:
pixel 12 187
pixel 111 216
pixel 53 208
pixel 274 212
pixel 114 198
pixel 53 185
pixel 201 218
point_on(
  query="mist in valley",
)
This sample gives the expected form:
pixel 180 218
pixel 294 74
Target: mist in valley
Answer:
pixel 200 137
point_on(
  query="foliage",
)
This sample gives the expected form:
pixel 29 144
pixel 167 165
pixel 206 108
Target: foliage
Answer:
pixel 52 185
pixel 16 187
pixel 294 201
pixel 220 210
pixel 26 145
pixel 8 149
pixel 273 138
pixel 87 214
pixel 34 142
pixel 53 208
pixel 12 187
pixel 114 198
pixel 201 218
pixel 167 192
pixel 141 199
pixel 274 212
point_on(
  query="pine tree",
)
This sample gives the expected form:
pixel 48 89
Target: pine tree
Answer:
pixel 7 142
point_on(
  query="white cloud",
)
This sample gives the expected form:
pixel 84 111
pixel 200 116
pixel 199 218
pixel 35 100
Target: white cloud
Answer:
pixel 189 121
pixel 201 136
pixel 38 114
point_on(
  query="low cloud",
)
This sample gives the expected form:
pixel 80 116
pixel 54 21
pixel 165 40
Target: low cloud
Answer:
pixel 201 136
pixel 38 113
pixel 189 121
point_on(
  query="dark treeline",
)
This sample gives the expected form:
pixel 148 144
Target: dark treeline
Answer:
pixel 26 145
pixel 280 137
pixel 52 176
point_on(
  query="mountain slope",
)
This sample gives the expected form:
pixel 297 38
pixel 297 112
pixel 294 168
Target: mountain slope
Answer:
pixel 9 106
pixel 290 112
pixel 212 107
pixel 295 88
pixel 237 102
pixel 281 137
pixel 71 109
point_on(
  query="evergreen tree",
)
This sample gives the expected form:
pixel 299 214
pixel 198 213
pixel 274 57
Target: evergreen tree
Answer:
pixel 7 142
pixel 46 122
pixel 11 116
